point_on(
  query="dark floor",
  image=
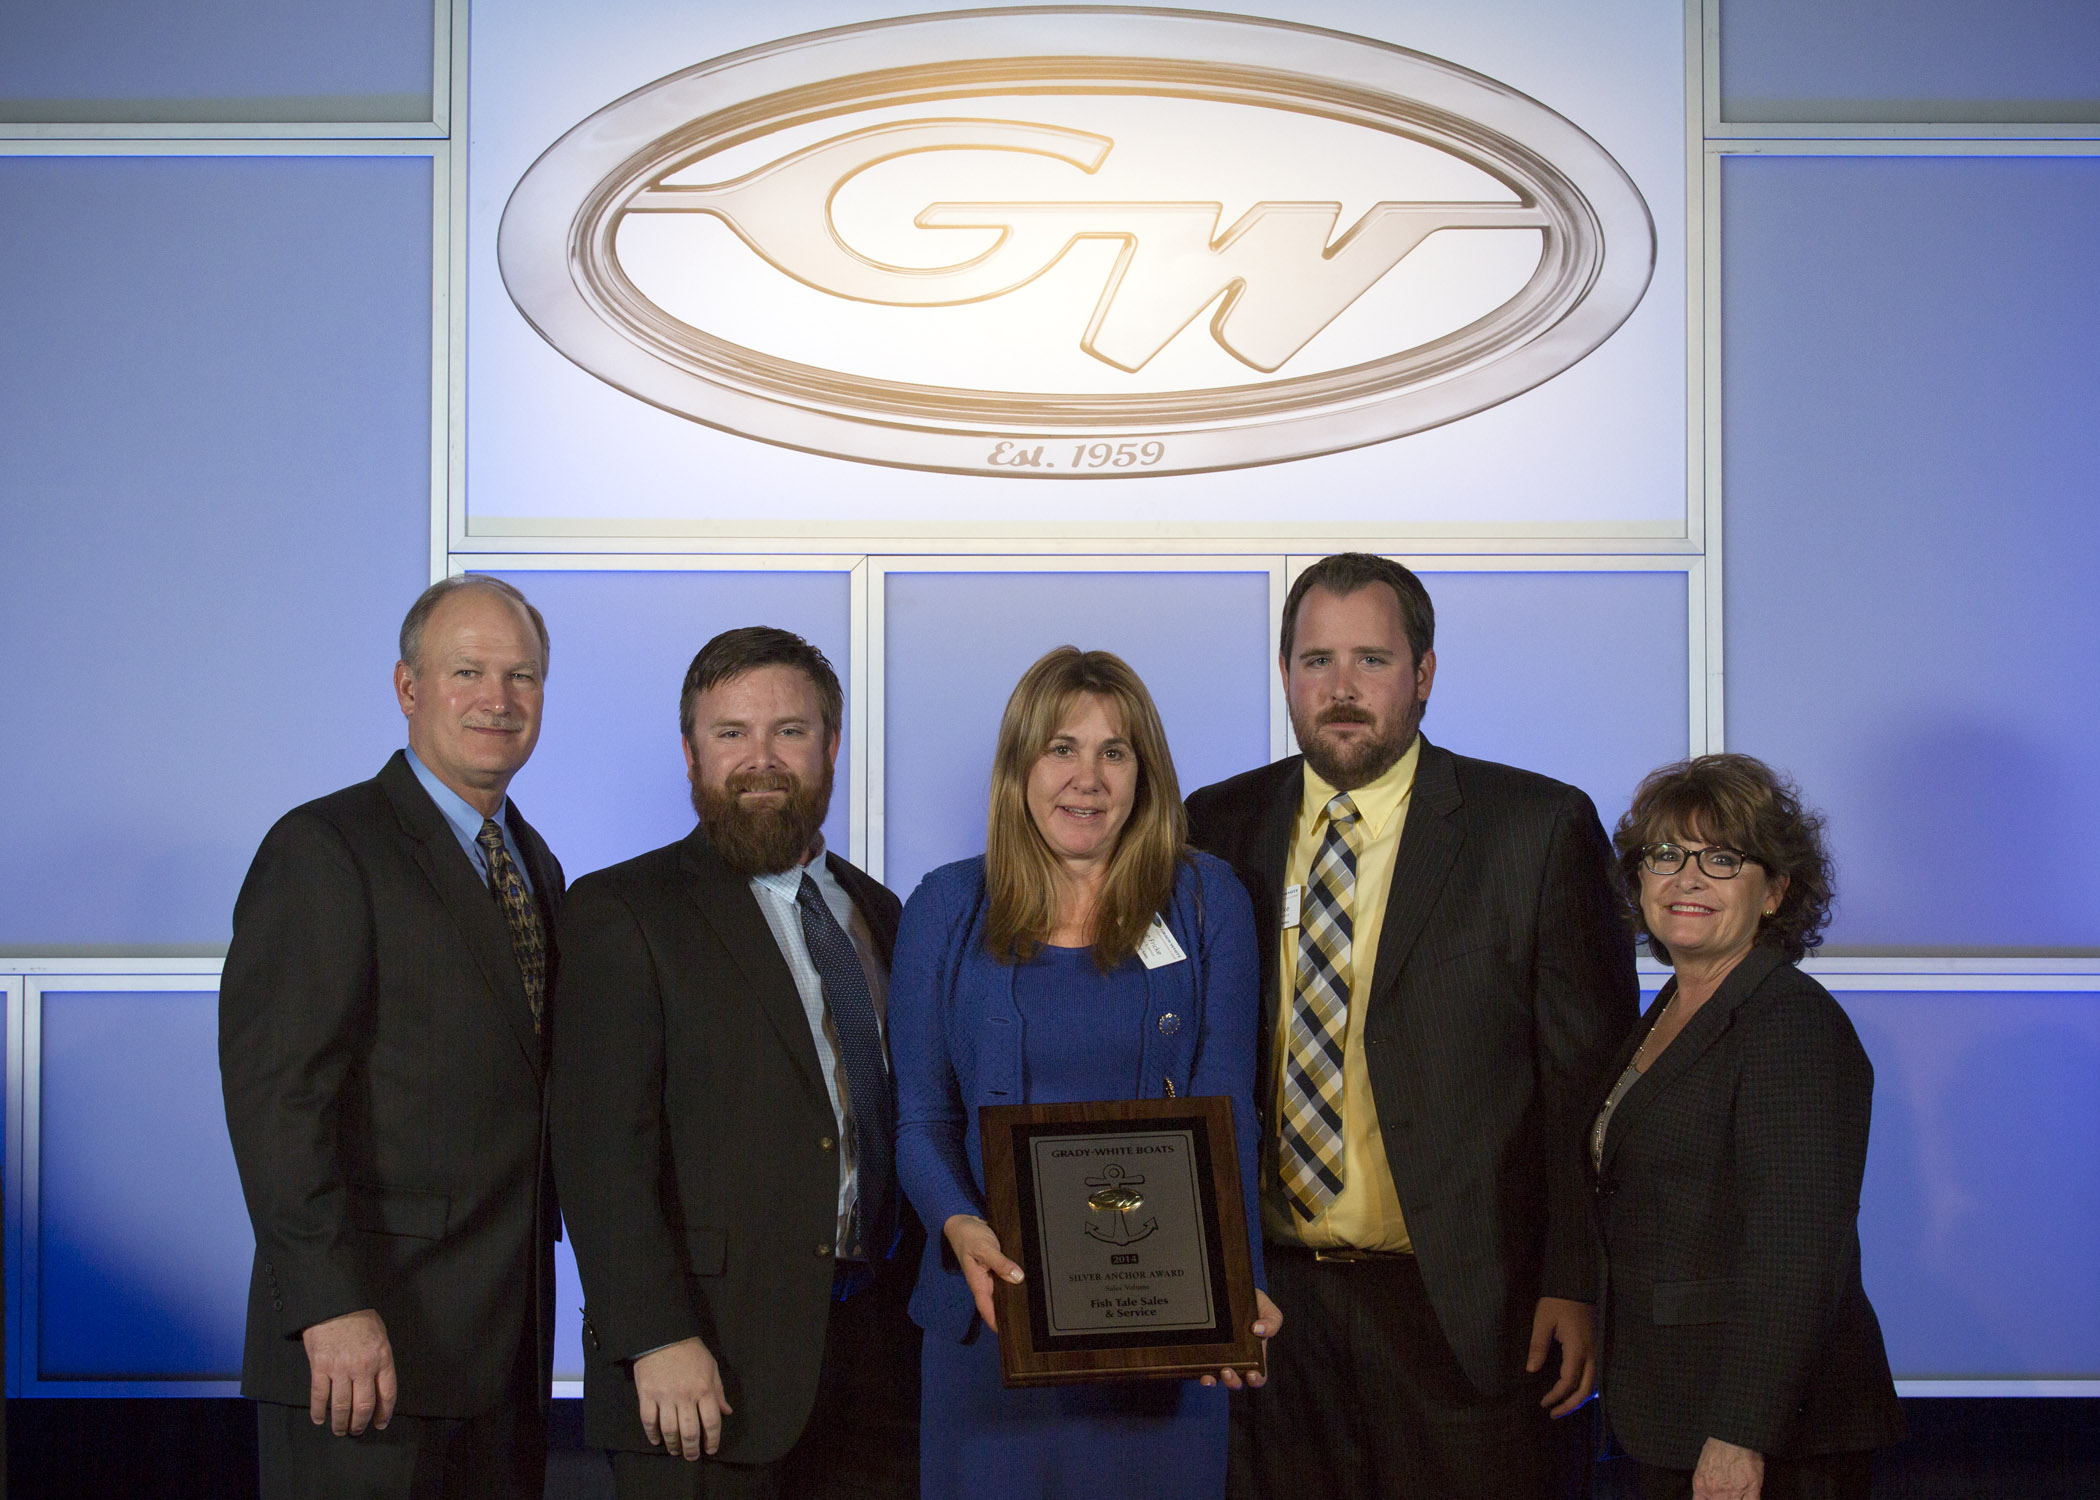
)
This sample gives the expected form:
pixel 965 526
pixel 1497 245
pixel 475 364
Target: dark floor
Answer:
pixel 205 1450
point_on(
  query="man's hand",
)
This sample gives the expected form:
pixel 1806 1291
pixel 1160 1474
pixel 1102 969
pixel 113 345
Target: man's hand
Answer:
pixel 352 1367
pixel 679 1390
pixel 1727 1472
pixel 1571 1325
pixel 977 1252
pixel 1267 1322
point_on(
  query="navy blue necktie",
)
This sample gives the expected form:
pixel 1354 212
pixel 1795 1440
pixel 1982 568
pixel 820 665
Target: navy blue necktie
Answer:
pixel 871 1102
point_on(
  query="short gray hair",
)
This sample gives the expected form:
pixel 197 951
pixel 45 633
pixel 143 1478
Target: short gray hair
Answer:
pixel 426 604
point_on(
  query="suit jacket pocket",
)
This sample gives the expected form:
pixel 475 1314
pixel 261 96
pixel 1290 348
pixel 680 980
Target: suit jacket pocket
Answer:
pixel 394 1210
pixel 709 1249
pixel 1681 1302
pixel 1469 963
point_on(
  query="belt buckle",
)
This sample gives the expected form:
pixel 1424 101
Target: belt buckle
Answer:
pixel 1342 1255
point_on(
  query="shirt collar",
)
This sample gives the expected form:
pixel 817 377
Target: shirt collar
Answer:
pixel 465 819
pixel 786 884
pixel 1375 803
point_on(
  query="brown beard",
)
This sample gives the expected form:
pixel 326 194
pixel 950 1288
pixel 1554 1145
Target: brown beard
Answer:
pixel 1372 758
pixel 762 840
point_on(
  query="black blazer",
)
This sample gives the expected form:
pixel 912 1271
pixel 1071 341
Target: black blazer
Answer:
pixel 1729 1207
pixel 1504 978
pixel 384 1095
pixel 694 1142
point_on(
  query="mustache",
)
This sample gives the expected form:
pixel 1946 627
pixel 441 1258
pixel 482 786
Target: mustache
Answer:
pixel 1345 713
pixel 493 721
pixel 760 781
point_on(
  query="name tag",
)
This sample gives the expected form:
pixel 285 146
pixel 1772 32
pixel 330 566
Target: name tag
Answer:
pixel 1292 895
pixel 1159 948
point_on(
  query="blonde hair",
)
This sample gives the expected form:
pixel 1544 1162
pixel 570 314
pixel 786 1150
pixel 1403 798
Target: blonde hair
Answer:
pixel 1021 872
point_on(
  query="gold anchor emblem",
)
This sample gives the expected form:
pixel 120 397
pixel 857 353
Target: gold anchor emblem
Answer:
pixel 1115 1192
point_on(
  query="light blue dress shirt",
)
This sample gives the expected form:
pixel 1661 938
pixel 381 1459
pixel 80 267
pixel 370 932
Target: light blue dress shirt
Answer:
pixel 466 823
pixel 776 898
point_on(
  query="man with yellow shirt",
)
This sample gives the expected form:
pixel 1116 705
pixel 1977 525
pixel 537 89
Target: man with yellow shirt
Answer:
pixel 1444 970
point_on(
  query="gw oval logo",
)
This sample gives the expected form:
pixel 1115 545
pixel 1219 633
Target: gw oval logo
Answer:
pixel 988 242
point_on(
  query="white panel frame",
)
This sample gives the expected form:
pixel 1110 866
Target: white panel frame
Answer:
pixel 436 127
pixel 1702 685
pixel 1703 20
pixel 447 191
pixel 1696 553
pixel 997 547
pixel 863 691
pixel 26 987
pixel 880 566
pixel 20 1077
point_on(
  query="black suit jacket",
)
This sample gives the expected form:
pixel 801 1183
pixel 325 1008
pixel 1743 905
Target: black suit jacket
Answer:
pixel 695 1144
pixel 384 1092
pixel 1729 1204
pixel 1503 980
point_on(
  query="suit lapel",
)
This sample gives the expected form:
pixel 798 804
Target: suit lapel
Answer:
pixel 1272 853
pixel 539 864
pixel 473 909
pixel 727 904
pixel 1698 1037
pixel 877 906
pixel 1270 859
pixel 1429 843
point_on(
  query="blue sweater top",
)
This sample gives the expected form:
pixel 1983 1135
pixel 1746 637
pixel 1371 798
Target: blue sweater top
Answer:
pixel 957 1042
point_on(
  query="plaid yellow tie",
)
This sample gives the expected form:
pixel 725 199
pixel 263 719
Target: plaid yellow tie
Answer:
pixel 528 937
pixel 1309 1160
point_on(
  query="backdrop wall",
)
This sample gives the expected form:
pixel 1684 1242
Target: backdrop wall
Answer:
pixel 246 308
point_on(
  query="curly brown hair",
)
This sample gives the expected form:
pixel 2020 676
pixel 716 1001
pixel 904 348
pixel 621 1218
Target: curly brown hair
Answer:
pixel 1742 803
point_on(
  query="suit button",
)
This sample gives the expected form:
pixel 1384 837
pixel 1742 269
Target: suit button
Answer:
pixel 826 1143
pixel 1169 1024
pixel 823 1249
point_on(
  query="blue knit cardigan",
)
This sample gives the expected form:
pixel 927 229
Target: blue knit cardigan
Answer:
pixel 956 1044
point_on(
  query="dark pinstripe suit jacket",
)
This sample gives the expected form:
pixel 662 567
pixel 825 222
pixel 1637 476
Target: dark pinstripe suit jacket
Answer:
pixel 1503 981
pixel 384 1087
pixel 1729 1202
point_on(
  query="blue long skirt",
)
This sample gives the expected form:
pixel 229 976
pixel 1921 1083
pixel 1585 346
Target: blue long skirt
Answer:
pixel 1156 1439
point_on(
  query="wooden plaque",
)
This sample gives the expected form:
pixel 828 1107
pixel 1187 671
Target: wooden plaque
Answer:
pixel 1127 1218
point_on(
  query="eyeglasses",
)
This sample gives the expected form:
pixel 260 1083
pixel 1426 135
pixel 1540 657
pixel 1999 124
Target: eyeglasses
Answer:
pixel 1716 862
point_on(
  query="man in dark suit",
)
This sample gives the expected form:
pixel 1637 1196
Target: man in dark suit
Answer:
pixel 724 1121
pixel 1444 969
pixel 383 1049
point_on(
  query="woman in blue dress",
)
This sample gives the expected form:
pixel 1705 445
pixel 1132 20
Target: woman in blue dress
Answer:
pixel 1087 955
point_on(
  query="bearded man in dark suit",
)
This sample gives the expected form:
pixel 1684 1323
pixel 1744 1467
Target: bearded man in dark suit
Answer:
pixel 383 1047
pixel 1444 970
pixel 725 1121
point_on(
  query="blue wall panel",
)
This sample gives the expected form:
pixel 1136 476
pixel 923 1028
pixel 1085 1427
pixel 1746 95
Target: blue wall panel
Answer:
pixel 143 1241
pixel 1911 375
pixel 216 463
pixel 956 643
pixel 607 781
pixel 1910 60
pixel 1581 676
pixel 1980 1217
pixel 215 60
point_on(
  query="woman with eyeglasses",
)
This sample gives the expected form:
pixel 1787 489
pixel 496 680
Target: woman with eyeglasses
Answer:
pixel 1741 1356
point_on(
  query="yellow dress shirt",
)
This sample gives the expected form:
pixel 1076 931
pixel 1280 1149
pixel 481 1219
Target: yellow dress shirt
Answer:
pixel 1365 1214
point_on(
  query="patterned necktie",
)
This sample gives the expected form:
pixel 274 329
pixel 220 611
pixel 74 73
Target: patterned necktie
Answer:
pixel 528 937
pixel 872 1111
pixel 1310 1156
